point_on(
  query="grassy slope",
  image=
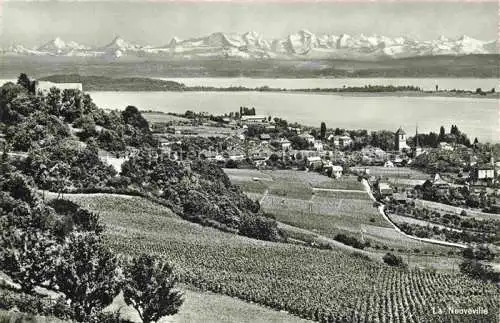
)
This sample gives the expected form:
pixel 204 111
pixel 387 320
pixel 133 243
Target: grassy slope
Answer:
pixel 204 256
pixel 208 307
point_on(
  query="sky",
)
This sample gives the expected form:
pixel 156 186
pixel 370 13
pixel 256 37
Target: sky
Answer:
pixel 155 22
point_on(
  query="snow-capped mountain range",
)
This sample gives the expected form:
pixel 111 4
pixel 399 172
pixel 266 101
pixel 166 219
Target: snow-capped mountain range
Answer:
pixel 252 45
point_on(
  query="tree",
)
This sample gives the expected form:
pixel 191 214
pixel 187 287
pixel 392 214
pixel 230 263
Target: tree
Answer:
pixel 28 257
pixel 299 143
pixel 442 134
pixel 149 287
pixel 323 130
pixel 87 275
pixel 133 117
pixel 25 82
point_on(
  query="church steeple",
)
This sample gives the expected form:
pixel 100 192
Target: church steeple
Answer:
pixel 416 136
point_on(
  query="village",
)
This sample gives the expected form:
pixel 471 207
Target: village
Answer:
pixel 248 140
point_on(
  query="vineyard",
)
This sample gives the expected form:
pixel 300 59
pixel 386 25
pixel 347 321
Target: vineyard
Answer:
pixel 314 179
pixel 329 213
pixel 323 285
pixel 326 206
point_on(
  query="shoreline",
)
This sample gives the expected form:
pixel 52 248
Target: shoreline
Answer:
pixel 401 94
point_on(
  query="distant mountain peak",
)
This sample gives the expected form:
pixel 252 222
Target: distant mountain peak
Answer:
pixel 253 45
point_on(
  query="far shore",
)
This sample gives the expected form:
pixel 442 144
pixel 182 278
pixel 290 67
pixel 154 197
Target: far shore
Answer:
pixel 441 94
pixel 444 94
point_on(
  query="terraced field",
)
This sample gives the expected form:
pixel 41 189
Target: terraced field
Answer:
pixel 326 206
pixel 324 285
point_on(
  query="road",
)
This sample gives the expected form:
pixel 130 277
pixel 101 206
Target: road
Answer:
pixel 337 190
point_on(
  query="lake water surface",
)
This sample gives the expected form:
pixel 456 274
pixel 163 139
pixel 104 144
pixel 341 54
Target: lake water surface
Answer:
pixel 477 117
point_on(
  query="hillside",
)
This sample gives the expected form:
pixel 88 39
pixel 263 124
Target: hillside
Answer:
pixel 477 66
pixel 322 285
pixel 104 83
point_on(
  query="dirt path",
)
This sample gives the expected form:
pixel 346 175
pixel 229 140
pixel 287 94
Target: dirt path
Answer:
pixel 337 190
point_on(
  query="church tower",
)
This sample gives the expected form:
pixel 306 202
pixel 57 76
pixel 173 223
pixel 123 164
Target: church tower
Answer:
pixel 418 149
pixel 400 140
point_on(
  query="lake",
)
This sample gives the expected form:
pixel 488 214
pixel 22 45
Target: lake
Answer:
pixel 477 117
pixel 312 83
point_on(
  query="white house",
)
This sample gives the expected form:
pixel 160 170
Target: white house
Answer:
pixel 385 189
pixel 310 138
pixel 318 145
pixel 388 164
pixel 336 170
pixel 342 141
pixel 314 161
pixel 254 119
pixel 445 146
pixel 285 144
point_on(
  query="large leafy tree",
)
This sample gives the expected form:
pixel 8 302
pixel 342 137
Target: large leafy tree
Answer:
pixel 87 275
pixel 28 257
pixel 150 288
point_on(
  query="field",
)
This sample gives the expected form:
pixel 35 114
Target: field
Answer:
pixel 326 207
pixel 316 284
pixel 314 179
pixel 397 172
pixel 158 117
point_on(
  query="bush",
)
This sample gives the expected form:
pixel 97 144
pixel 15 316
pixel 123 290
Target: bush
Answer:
pixel 394 260
pixel 350 241
pixel 480 271
pixel 479 253
pixel 259 227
